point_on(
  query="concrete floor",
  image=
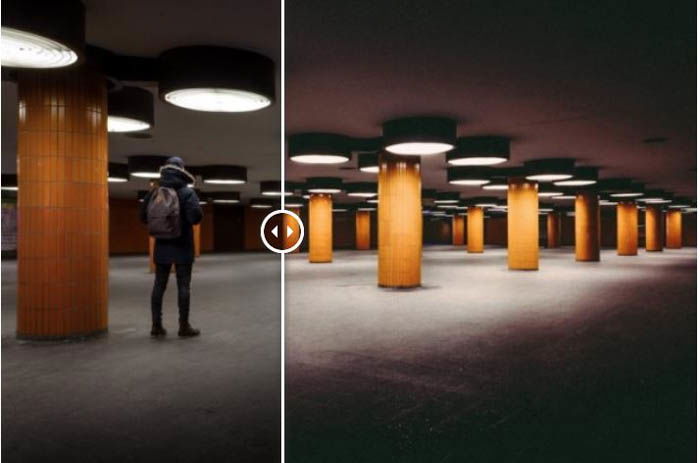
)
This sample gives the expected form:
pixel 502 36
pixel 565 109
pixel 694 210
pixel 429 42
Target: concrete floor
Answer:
pixel 128 398
pixel 577 362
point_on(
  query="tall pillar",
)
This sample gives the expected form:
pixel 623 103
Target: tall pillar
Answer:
pixel 627 231
pixel 320 228
pixel 475 230
pixel 653 228
pixel 151 251
pixel 587 226
pixel 63 207
pixel 674 225
pixel 458 230
pixel 294 236
pixel 553 229
pixel 197 235
pixel 400 221
pixel 523 225
pixel 362 227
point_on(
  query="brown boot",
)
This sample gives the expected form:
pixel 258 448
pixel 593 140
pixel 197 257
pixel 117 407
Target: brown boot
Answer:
pixel 157 330
pixel 186 330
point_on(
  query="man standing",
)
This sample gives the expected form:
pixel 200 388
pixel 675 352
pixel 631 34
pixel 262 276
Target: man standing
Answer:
pixel 175 248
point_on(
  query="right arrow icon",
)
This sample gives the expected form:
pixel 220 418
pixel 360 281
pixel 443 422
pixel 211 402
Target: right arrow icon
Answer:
pixel 289 231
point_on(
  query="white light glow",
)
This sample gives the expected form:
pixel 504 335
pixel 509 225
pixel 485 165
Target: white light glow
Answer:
pixel 117 180
pixel 366 209
pixel 120 124
pixel 339 210
pixel 276 193
pixel 679 206
pixel 9 188
pixel 657 201
pixel 226 201
pixel 482 161
pixel 546 209
pixel 446 201
pixel 549 194
pixel 220 100
pixel 370 169
pixel 486 205
pixel 548 177
pixel 469 182
pixel 447 206
pixel 574 182
pixel 495 187
pixel 260 206
pixel 294 204
pixel 26 50
pixel 145 174
pixel 319 158
pixel 419 148
pixel 328 191
pixel 626 195
pixel 562 197
pixel 362 195
pixel 224 181
pixel 373 201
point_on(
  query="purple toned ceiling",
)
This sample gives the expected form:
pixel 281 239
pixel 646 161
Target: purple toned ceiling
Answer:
pixel 565 79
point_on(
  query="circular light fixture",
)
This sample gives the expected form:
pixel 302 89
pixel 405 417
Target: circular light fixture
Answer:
pixel 496 184
pixel 319 148
pixel 216 79
pixel 564 197
pixel 583 176
pixel 366 208
pixel 419 136
pixel 621 188
pixel 549 170
pixel 324 185
pixel 224 197
pixel 368 162
pixel 294 201
pixel 8 182
pixel 447 197
pixel 261 203
pixel 117 172
pixel 655 197
pixel 222 174
pixel 479 151
pixel 469 175
pixel 484 201
pixel 361 189
pixel 447 206
pixel 130 109
pixel 42 34
pixel 146 166
pixel 547 191
pixel 273 188
pixel 680 203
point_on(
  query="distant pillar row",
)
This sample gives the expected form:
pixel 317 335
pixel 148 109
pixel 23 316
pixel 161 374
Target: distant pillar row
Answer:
pixel 458 230
pixel 653 228
pixel 320 228
pixel 523 247
pixel 553 229
pixel 63 210
pixel 587 225
pixel 627 228
pixel 475 230
pixel 362 230
pixel 400 221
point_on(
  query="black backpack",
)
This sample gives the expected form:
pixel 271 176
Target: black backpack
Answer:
pixel 163 214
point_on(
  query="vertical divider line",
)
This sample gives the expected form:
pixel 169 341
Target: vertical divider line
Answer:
pixel 282 277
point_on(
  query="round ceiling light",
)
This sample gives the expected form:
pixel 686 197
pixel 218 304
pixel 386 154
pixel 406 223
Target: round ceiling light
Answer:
pixel 368 162
pixel 620 188
pixel 146 166
pixel 324 185
pixel 496 184
pixel 42 34
pixel 117 172
pixel 361 189
pixel 216 79
pixel 547 191
pixel 447 197
pixel 129 110
pixel 261 203
pixel 221 174
pixel 680 203
pixel 8 182
pixel 469 175
pixel 294 201
pixel 479 151
pixel 319 148
pixel 223 197
pixel 484 201
pixel 274 188
pixel 419 136
pixel 583 176
pixel 549 170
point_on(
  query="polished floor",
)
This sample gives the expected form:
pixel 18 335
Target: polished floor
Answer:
pixel 127 398
pixel 577 362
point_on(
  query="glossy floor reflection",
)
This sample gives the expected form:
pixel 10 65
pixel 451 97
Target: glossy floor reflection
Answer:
pixel 128 398
pixel 577 362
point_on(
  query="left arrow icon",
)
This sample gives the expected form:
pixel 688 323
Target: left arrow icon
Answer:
pixel 274 231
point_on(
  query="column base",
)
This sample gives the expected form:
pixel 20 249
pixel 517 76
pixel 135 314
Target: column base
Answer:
pixel 398 287
pixel 627 254
pixel 320 261
pixel 87 336
pixel 524 269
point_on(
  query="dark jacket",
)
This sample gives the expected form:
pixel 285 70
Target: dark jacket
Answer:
pixel 179 250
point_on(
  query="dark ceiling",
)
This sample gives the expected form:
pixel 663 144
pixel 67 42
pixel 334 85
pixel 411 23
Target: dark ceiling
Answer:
pixel 589 80
pixel 146 28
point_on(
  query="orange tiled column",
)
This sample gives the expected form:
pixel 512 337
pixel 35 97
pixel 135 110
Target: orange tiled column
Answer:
pixel 523 226
pixel 290 240
pixel 627 231
pixel 362 227
pixel 458 230
pixel 587 226
pixel 553 229
pixel 674 225
pixel 653 228
pixel 197 235
pixel 63 207
pixel 400 222
pixel 320 228
pixel 475 230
